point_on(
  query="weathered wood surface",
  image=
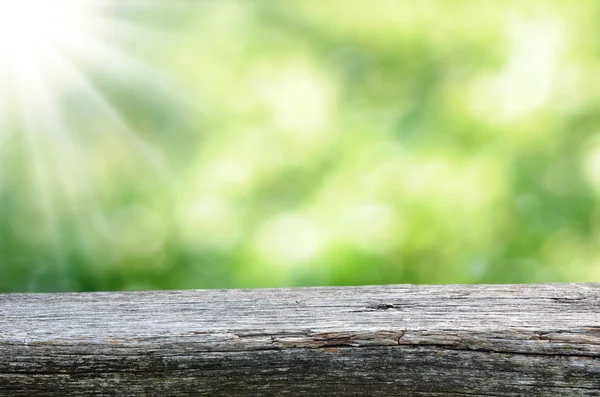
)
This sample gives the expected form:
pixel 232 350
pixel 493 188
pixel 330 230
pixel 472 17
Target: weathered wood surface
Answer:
pixel 480 340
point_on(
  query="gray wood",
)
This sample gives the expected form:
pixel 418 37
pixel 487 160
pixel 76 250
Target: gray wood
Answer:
pixel 404 340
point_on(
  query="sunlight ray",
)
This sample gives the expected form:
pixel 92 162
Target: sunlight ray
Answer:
pixel 44 59
pixel 122 130
pixel 55 60
pixel 71 169
pixel 29 99
pixel 71 166
pixel 107 59
pixel 105 108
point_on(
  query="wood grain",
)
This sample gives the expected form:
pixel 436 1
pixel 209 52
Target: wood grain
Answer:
pixel 401 340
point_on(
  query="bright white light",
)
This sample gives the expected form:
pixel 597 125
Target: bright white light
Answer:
pixel 46 48
pixel 29 28
pixel 35 37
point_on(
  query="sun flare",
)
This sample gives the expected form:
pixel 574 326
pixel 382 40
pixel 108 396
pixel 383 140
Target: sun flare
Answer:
pixel 25 24
pixel 47 51
pixel 51 104
pixel 32 30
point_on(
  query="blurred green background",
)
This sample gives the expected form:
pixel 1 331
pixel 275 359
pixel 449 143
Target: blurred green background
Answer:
pixel 293 143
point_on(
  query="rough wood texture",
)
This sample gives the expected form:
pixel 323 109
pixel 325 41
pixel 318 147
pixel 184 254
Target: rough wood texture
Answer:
pixel 480 340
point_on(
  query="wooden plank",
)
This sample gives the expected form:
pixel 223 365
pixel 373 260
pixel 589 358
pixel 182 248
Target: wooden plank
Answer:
pixel 404 340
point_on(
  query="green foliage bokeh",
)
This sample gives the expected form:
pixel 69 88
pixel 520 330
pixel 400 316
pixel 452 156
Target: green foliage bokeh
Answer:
pixel 324 143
